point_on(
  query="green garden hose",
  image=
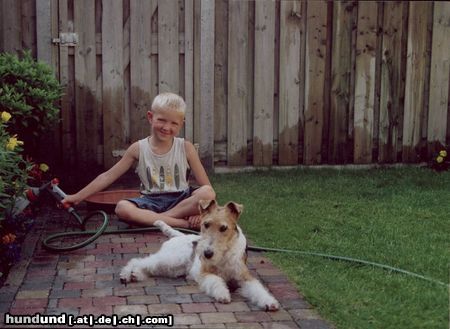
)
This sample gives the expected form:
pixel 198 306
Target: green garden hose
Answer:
pixel 94 234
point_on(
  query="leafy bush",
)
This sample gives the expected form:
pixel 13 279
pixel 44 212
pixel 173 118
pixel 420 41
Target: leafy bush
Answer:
pixel 28 91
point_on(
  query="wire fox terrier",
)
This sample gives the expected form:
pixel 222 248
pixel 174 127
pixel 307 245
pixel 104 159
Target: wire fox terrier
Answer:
pixel 215 259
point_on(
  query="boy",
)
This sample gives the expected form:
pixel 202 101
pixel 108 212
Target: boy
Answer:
pixel 163 161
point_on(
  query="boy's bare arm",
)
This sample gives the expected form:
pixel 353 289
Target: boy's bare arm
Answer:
pixel 105 179
pixel 196 166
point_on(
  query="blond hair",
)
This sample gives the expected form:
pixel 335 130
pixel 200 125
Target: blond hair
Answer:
pixel 169 101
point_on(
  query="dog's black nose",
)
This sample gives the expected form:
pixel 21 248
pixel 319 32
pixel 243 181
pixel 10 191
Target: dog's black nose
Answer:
pixel 208 253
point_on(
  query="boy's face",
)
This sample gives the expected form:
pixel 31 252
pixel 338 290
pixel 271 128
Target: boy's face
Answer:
pixel 165 124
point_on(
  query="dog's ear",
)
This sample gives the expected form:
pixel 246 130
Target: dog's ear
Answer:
pixel 235 208
pixel 206 205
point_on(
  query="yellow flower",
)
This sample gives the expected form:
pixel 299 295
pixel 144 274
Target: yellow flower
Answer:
pixel 44 167
pixel 5 116
pixel 439 159
pixel 13 142
pixel 443 153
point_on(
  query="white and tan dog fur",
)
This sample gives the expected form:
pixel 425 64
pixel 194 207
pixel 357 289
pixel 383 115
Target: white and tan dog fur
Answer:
pixel 213 259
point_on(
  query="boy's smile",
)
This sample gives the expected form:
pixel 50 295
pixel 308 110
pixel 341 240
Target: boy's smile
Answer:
pixel 165 124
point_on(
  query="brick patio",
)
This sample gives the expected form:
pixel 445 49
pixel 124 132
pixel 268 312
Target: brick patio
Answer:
pixel 86 281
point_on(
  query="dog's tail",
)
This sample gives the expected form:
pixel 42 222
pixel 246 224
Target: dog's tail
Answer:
pixel 167 230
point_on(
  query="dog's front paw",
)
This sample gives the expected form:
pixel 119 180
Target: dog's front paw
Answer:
pixel 132 272
pixel 223 297
pixel 125 275
pixel 270 304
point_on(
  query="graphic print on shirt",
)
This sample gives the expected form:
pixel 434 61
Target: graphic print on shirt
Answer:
pixel 177 176
pixel 165 179
pixel 161 179
pixel 149 178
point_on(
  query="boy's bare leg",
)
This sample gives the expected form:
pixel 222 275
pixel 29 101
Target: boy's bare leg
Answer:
pixel 189 206
pixel 130 213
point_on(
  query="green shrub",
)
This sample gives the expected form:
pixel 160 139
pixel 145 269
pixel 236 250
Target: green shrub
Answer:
pixel 29 91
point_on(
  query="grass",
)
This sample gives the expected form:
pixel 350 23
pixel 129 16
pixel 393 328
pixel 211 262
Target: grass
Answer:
pixel 398 217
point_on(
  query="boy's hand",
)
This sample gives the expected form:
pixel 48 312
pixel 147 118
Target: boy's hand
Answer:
pixel 194 222
pixel 71 199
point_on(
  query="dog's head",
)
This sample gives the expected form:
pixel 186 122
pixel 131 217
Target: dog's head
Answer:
pixel 218 228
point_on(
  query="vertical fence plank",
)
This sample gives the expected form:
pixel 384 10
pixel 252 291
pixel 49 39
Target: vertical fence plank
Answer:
pixel 85 84
pixel 43 30
pixel 419 13
pixel 365 81
pixel 67 131
pixel 221 68
pixel 290 81
pixel 168 52
pixel 140 66
pixel 29 27
pixel 189 68
pixel 112 75
pixel 264 82
pixel 237 82
pixel 341 73
pixel 439 76
pixel 316 34
pixel 11 26
pixel 207 84
pixel 392 83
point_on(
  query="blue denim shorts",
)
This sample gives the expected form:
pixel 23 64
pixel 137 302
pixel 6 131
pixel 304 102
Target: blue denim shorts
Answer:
pixel 161 202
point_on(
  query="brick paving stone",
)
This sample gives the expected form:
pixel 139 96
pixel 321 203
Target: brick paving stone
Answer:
pixel 60 310
pixel 155 309
pixel 26 310
pixel 304 314
pixel 97 292
pixel 60 293
pixel 144 299
pixel 198 308
pixel 97 310
pixel 208 326
pixel 78 285
pixel 216 317
pixel 232 307
pixel 256 316
pixel 30 303
pixel 25 294
pixel 130 309
pixel 186 319
pixel 160 290
pixel 280 315
pixel 6 296
pixel 247 325
pixel 177 299
pixel 190 289
pixel 125 291
pixel 74 302
pixel 109 300
pixel 283 290
pixel 201 298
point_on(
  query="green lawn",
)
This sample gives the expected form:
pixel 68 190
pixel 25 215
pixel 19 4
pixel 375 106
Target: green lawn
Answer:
pixel 398 217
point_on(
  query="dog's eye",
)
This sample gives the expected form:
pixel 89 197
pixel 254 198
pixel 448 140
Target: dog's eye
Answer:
pixel 206 225
pixel 223 228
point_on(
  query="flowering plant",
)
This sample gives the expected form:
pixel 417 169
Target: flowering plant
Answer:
pixel 15 175
pixel 440 160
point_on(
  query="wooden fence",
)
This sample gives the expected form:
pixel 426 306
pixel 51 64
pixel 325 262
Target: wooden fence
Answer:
pixel 266 82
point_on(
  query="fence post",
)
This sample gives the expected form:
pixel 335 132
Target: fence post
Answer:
pixel 44 31
pixel 207 83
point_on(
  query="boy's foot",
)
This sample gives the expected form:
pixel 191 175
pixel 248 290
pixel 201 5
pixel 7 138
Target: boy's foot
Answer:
pixel 194 222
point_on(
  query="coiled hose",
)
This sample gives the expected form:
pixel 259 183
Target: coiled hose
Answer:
pixel 94 234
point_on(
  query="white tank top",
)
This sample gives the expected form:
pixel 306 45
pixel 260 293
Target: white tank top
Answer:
pixel 165 172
